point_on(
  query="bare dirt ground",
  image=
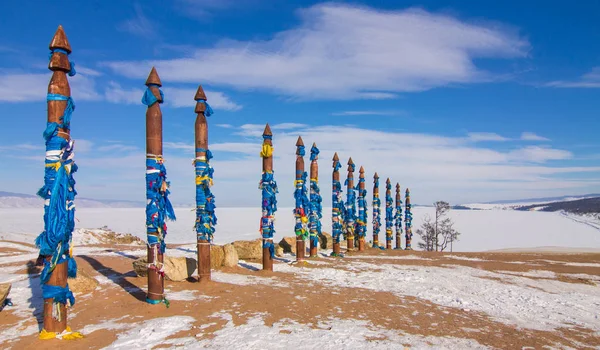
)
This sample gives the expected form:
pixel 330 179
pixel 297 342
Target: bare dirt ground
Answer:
pixel 295 294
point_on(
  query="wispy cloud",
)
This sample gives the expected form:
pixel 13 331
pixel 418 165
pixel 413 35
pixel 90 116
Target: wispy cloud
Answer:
pixel 359 113
pixel 588 80
pixel 530 136
pixel 25 87
pixel 138 25
pixel 390 52
pixel 202 9
pixel 226 126
pixel 486 136
pixel 21 147
pixel 178 97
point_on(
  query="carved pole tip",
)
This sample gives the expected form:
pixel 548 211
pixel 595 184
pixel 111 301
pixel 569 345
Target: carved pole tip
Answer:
pixel 350 161
pixel 335 157
pixel 200 95
pixel 267 131
pixel 388 181
pixel 299 142
pixel 361 170
pixel 153 78
pixel 60 41
pixel 376 176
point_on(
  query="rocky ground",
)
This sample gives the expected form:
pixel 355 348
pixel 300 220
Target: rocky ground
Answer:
pixel 379 299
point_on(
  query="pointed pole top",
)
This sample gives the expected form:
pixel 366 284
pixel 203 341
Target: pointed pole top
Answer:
pixel 299 142
pixel 397 187
pixel 267 131
pixel 314 144
pixel 59 41
pixel 335 157
pixel 153 78
pixel 200 95
pixel 361 170
pixel 407 191
pixel 376 176
pixel 388 181
pixel 350 162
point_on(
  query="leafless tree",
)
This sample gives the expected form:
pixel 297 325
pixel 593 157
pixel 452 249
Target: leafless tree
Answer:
pixel 436 235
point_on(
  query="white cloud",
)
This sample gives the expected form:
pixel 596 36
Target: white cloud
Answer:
pixel 486 136
pixel 530 136
pixel 433 167
pixel 341 51
pixel 138 25
pixel 588 80
pixel 114 93
pixel 226 126
pixel 178 97
pixel 25 87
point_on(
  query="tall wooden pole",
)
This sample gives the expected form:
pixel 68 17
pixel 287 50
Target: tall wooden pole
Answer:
pixel 59 194
pixel 408 220
pixel 398 217
pixel 337 207
pixel 315 214
pixel 361 222
pixel 389 214
pixel 350 206
pixel 268 186
pixel 158 207
pixel 376 211
pixel 301 202
pixel 205 200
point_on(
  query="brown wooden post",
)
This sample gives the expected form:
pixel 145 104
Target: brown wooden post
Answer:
pixel 315 197
pixel 376 211
pixel 59 84
pixel 337 208
pixel 398 217
pixel 300 196
pixel 154 150
pixel 389 214
pixel 269 190
pixel 350 206
pixel 362 211
pixel 408 220
pixel 204 213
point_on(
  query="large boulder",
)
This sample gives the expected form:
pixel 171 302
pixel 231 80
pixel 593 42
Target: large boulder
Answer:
pixel 278 251
pixel 325 240
pixel 176 269
pixel 231 256
pixel 217 256
pixel 288 244
pixel 249 250
pixel 83 283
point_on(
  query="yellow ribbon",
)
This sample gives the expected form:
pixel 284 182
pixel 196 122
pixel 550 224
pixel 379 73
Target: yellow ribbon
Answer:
pixel 200 179
pixel 267 150
pixel 69 335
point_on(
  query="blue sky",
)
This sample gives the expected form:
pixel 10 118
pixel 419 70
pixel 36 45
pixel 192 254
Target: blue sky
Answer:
pixel 472 101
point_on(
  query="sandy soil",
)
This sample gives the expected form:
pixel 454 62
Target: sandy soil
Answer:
pixel 284 296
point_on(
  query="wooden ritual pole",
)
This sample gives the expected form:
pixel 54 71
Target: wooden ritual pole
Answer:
pixel 398 217
pixel 268 186
pixel 315 202
pixel 55 241
pixel 205 200
pixel 301 202
pixel 158 208
pixel 337 207
pixel 408 220
pixel 376 211
pixel 350 206
pixel 389 214
pixel 361 222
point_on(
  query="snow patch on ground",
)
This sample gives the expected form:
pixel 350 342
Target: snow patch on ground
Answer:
pixel 534 273
pixel 244 280
pixel 515 300
pixel 402 257
pixel 328 334
pixel 150 333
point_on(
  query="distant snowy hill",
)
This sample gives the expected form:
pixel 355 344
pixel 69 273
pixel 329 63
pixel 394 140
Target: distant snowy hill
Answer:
pixel 20 200
pixel 535 203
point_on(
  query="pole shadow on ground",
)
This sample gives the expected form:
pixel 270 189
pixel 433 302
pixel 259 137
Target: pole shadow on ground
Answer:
pixel 116 277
